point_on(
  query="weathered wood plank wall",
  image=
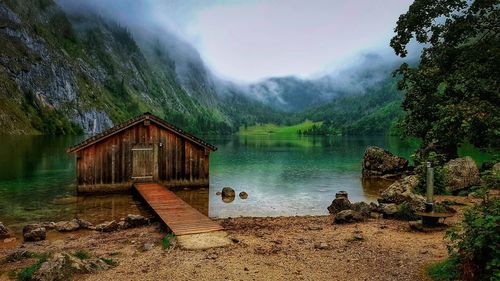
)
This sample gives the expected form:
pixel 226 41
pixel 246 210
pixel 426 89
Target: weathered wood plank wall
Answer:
pixel 175 161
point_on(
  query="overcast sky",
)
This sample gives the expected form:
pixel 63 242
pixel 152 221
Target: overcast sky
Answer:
pixel 254 39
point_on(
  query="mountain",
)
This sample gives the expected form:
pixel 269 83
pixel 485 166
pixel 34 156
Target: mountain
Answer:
pixel 63 73
pixel 71 71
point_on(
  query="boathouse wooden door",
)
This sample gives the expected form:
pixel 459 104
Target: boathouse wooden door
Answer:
pixel 142 162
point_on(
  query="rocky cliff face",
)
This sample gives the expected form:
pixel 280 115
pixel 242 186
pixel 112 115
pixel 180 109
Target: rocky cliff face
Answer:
pixel 63 73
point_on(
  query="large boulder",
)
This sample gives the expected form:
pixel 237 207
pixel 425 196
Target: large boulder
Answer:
pixel 340 203
pixel 34 232
pixel 461 173
pixel 378 162
pixel 402 191
pixel 4 231
pixel 52 269
pixel 347 216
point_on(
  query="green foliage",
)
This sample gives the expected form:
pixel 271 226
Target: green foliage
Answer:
pixel 166 242
pixel 452 96
pixel 405 212
pixel 474 243
pixel 326 128
pixel 109 261
pixel 446 270
pixel 437 162
pixel 82 254
pixel 370 113
pixel 265 129
pixel 26 273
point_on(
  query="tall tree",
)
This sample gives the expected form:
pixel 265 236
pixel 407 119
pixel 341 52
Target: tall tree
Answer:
pixel 453 95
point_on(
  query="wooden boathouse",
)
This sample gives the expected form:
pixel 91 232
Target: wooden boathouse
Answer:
pixel 143 149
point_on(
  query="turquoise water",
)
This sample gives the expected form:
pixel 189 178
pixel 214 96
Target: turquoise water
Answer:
pixel 292 175
pixel 289 175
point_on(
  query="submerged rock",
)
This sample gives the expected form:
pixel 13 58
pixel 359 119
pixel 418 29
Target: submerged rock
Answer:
pixel 347 216
pixel 228 192
pixel 4 231
pixel 243 195
pixel 340 203
pixel 402 191
pixel 378 162
pixel 461 173
pixel 34 232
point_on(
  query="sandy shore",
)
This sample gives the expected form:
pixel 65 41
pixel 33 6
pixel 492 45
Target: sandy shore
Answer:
pixel 284 248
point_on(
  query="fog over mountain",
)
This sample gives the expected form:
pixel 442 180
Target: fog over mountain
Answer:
pixel 154 24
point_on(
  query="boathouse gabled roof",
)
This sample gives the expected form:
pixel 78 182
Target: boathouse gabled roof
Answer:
pixel 134 121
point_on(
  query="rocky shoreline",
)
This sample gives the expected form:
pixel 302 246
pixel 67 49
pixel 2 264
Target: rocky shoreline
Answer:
pixel 281 248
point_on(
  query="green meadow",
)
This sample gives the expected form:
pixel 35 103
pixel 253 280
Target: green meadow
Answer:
pixel 266 129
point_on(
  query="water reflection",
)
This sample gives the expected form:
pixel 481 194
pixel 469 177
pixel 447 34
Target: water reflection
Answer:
pixel 196 197
pixel 293 175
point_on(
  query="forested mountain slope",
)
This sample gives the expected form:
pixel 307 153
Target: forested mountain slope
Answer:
pixel 65 73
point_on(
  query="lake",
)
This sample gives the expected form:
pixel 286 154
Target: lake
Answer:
pixel 283 175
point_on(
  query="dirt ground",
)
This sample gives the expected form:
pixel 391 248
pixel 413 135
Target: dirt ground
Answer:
pixel 284 248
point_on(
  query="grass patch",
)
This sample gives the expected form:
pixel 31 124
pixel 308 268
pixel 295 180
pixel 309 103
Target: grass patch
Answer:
pixel 446 270
pixel 167 240
pixel 82 254
pixel 266 129
pixel 109 261
pixel 26 273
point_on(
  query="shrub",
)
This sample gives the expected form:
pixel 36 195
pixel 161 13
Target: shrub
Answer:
pixel 82 254
pixel 405 212
pixel 167 240
pixel 474 244
pixel 446 270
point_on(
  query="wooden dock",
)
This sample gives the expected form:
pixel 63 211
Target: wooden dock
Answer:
pixel 178 215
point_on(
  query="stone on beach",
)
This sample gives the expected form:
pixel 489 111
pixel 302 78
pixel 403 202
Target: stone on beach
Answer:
pixel 348 216
pixel 4 231
pixel 402 191
pixel 340 203
pixel 135 221
pixel 66 226
pixel 34 232
pixel 107 226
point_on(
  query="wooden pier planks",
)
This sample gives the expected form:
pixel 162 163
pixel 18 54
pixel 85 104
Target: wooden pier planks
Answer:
pixel 178 215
